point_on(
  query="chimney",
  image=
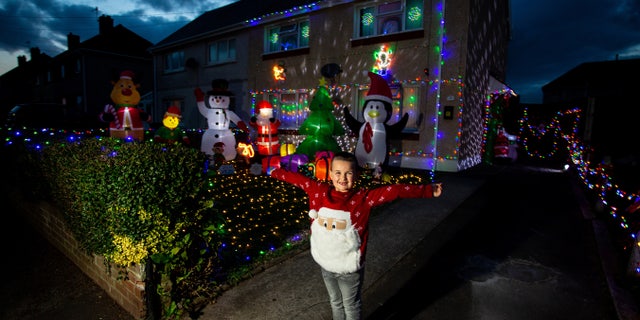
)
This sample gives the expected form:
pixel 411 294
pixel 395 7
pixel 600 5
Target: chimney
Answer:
pixel 105 23
pixel 73 41
pixel 22 60
pixel 35 53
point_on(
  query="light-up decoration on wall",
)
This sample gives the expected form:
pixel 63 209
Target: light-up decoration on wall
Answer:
pixel 279 72
pixel 383 60
pixel 305 31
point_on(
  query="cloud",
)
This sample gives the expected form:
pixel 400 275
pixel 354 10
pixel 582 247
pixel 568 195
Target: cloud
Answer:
pixel 550 37
pixel 46 23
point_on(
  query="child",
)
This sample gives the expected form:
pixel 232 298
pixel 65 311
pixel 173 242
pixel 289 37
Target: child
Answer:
pixel 340 226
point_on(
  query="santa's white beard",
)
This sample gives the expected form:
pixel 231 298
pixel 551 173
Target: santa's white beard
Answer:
pixel 335 250
pixel 263 121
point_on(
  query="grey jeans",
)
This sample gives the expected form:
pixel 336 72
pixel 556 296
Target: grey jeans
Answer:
pixel 345 294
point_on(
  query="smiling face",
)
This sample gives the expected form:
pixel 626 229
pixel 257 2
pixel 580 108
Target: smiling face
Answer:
pixel 218 101
pixel 171 122
pixel 343 174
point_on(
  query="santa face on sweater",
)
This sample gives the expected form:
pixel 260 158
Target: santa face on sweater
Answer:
pixel 335 244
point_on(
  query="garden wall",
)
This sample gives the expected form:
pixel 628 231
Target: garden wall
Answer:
pixel 129 293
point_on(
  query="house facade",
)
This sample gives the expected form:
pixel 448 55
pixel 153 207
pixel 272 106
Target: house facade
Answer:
pixel 600 90
pixel 81 76
pixel 444 60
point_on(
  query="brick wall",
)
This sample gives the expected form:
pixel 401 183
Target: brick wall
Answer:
pixel 128 293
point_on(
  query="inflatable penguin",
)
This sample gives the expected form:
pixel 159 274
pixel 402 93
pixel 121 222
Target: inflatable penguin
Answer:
pixel 215 107
pixel 374 133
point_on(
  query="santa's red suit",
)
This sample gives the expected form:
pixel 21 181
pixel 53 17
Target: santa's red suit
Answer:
pixel 266 129
pixel 501 147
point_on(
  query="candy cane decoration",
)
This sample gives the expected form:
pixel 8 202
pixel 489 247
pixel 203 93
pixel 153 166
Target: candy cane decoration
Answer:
pixel 111 109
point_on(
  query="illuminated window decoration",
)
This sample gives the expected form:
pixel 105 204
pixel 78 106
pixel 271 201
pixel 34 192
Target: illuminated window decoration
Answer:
pixel 279 73
pixel 367 19
pixel 388 17
pixel 414 14
pixel 383 61
pixel 289 36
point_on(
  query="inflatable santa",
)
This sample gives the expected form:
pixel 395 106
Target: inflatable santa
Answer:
pixel 266 129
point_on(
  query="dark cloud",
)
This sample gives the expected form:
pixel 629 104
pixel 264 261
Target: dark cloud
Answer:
pixel 551 37
pixel 46 23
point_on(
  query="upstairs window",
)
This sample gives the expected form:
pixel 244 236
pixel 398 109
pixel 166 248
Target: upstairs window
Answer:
pixel 287 37
pixel 222 51
pixel 174 61
pixel 388 18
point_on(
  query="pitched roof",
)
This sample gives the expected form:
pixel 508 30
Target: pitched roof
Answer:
pixel 231 15
pixel 594 74
pixel 118 40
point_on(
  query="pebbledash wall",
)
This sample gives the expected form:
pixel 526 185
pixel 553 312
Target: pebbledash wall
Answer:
pixel 128 292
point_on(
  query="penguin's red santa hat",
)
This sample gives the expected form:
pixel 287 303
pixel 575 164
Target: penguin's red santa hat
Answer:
pixel 379 89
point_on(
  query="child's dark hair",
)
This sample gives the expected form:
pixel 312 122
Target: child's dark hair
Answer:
pixel 346 156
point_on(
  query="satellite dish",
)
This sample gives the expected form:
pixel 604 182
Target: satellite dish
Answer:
pixel 330 70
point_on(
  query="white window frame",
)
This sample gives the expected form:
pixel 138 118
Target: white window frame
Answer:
pixel 221 51
pixel 294 30
pixel 378 19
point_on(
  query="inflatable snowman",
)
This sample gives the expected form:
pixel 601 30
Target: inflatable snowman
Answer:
pixel 215 107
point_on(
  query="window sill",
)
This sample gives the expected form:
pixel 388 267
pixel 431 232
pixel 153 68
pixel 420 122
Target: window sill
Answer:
pixel 285 54
pixel 407 35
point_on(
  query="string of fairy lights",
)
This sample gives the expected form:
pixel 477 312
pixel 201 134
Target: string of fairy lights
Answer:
pixel 559 136
pixel 258 231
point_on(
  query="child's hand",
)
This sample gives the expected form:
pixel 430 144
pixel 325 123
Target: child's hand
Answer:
pixel 437 189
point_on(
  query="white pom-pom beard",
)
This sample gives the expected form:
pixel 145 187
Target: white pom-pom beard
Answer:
pixel 335 250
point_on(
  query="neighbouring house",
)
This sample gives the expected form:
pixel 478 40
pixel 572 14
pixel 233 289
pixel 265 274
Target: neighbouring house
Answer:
pixel 444 60
pixel 609 112
pixel 81 76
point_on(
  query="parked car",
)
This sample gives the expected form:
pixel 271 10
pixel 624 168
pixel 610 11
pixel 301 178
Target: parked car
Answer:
pixel 51 115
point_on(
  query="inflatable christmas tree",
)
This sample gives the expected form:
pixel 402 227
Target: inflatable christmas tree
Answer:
pixel 320 126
